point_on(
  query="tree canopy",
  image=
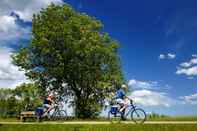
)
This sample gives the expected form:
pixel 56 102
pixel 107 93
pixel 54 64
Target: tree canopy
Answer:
pixel 70 54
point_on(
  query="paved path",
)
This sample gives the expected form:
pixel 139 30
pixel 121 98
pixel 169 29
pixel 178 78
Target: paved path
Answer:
pixel 103 122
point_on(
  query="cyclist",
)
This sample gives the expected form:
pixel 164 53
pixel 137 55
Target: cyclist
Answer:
pixel 122 100
pixel 48 102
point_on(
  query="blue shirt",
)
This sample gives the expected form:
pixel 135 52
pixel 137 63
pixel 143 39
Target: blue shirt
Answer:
pixel 46 101
pixel 120 94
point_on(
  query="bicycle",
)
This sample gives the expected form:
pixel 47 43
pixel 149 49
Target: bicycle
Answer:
pixel 136 114
pixel 56 113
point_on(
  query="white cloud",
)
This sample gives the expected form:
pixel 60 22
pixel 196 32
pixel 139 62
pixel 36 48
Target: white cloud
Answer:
pixel 192 71
pixel 9 30
pixel 151 98
pixel 7 23
pixel 25 8
pixel 171 56
pixel 10 76
pixel 162 56
pixel 193 61
pixel 34 6
pixel 136 84
pixel 148 93
pixel 191 99
pixel 167 56
pixel 194 55
pixel 188 68
pixel 150 85
pixel 185 64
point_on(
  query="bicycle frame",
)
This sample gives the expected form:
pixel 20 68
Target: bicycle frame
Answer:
pixel 129 109
pixel 132 107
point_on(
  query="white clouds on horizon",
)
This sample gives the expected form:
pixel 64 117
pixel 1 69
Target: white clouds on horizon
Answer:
pixel 190 99
pixel 137 84
pixel 168 56
pixel 143 94
pixel 151 85
pixel 151 98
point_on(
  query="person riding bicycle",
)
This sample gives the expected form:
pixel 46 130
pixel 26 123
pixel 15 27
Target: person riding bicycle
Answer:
pixel 122 100
pixel 47 104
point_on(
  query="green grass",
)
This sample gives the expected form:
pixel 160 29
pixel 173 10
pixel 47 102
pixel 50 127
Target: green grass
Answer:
pixel 9 120
pixel 178 118
pixel 112 127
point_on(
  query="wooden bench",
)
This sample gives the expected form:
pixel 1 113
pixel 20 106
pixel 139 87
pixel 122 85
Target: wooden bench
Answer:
pixel 27 114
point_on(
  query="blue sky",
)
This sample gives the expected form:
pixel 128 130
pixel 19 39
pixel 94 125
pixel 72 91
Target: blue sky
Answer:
pixel 158 46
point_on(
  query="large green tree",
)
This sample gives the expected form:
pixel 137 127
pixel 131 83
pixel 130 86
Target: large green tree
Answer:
pixel 70 54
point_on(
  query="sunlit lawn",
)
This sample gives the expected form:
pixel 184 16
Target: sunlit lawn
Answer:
pixel 111 127
pixel 180 118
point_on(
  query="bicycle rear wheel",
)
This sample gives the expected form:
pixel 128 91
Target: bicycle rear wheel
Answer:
pixel 138 116
pixel 114 117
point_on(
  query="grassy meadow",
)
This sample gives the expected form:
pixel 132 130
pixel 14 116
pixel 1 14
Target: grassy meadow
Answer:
pixel 101 127
pixel 177 118
pixel 111 127
pixel 166 118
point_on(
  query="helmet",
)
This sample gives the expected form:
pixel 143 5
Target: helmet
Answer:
pixel 123 86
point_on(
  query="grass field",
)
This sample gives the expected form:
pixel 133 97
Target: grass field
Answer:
pixel 178 118
pixel 102 127
pixel 111 127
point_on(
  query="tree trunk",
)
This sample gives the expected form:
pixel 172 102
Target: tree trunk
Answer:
pixel 82 109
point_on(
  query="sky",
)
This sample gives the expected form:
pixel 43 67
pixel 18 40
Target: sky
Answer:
pixel 158 46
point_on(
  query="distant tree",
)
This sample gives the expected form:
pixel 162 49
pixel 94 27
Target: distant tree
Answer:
pixel 5 94
pixel 29 96
pixel 23 97
pixel 12 106
pixel 69 54
pixel 3 109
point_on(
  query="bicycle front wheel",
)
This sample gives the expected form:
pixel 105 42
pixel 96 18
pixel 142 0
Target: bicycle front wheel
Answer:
pixel 60 115
pixel 138 116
